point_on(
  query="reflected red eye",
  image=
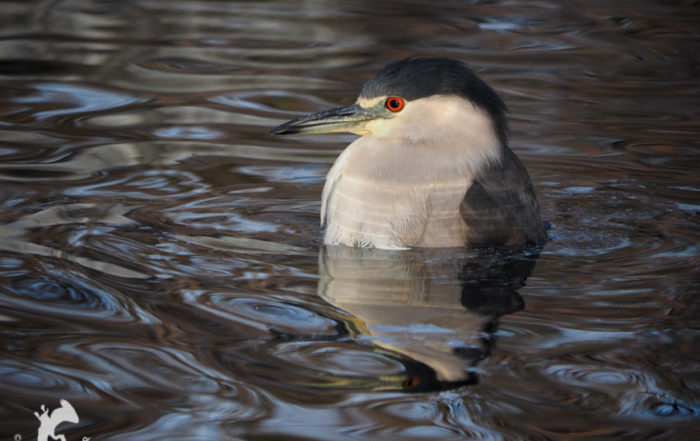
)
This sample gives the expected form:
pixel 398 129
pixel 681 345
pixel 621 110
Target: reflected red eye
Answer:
pixel 410 382
pixel 395 103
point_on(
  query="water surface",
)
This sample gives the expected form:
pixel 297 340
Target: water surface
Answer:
pixel 160 255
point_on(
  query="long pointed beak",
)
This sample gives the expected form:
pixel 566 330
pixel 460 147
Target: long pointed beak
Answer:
pixel 348 119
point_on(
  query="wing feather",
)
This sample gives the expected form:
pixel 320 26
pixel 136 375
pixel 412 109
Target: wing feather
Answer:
pixel 500 207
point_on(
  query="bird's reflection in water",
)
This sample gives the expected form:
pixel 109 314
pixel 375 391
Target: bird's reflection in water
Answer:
pixel 434 311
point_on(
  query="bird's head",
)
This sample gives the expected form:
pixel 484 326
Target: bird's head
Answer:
pixel 414 99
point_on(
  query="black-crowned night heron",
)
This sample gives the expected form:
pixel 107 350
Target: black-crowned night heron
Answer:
pixel 432 167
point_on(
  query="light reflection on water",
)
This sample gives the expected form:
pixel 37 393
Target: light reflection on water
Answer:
pixel 160 254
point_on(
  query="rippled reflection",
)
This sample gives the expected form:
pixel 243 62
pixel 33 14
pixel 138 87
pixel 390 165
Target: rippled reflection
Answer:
pixel 436 310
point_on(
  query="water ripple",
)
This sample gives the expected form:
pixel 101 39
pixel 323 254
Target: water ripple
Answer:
pixel 92 161
pixel 21 378
pixel 71 297
pixel 73 99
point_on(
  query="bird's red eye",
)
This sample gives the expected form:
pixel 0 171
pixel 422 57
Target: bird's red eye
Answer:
pixel 394 103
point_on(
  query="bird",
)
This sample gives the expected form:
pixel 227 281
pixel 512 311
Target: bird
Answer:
pixel 432 167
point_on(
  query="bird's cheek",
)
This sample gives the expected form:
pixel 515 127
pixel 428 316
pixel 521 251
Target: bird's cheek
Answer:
pixel 379 127
pixel 412 130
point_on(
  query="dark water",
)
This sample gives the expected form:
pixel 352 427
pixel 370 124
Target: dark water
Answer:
pixel 160 254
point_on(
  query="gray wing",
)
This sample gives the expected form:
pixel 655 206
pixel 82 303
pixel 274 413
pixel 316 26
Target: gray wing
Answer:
pixel 500 207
